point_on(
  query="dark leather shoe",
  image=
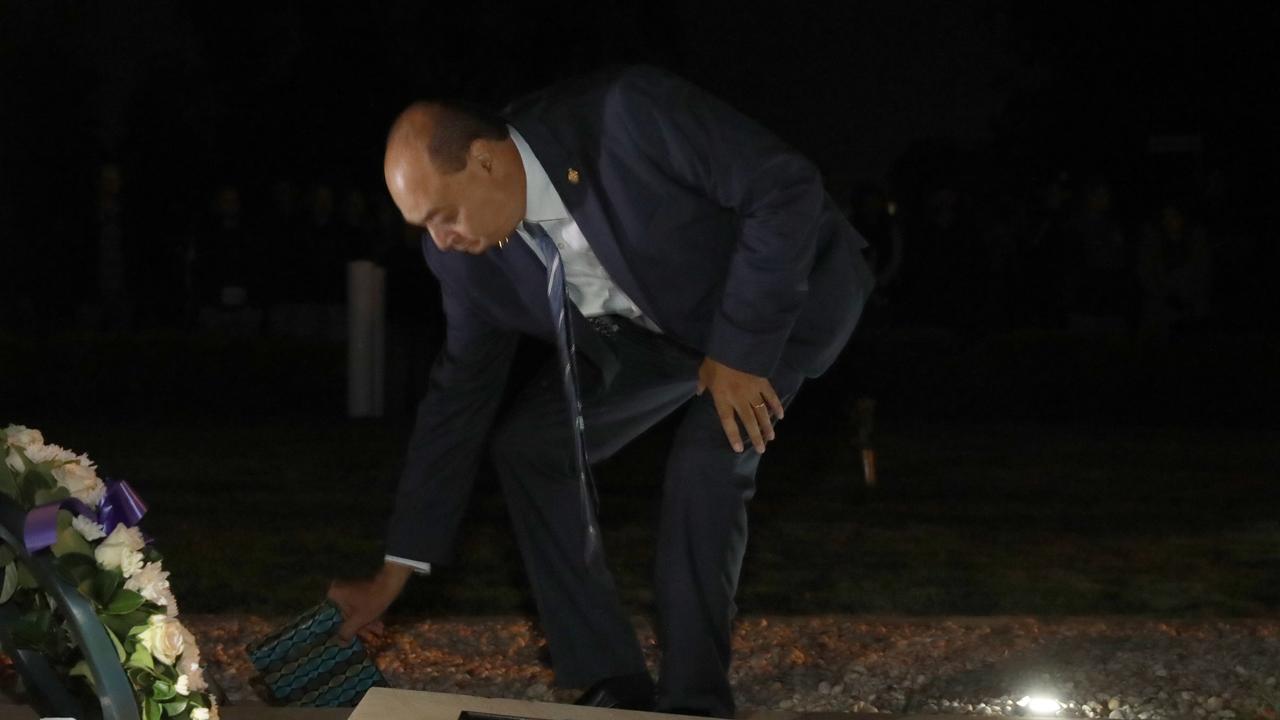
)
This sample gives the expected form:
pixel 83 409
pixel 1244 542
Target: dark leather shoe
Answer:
pixel 624 692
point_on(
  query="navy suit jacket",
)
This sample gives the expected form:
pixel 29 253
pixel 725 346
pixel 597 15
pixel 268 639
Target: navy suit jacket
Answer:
pixel 720 233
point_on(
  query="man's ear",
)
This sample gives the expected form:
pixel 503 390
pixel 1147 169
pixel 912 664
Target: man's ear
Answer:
pixel 482 154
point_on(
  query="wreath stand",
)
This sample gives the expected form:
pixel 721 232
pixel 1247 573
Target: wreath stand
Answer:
pixel 49 693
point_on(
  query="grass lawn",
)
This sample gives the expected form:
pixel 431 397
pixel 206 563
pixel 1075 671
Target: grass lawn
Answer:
pixel 970 518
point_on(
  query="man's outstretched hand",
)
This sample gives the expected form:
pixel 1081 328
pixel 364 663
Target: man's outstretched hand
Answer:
pixel 363 602
pixel 741 397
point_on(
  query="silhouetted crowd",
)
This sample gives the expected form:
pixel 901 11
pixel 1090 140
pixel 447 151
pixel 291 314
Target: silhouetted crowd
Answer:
pixel 1079 254
pixel 1071 255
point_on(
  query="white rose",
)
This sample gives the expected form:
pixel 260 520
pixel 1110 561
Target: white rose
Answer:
pixel 152 583
pixel 23 437
pixel 82 482
pixel 200 714
pixel 163 638
pixel 88 528
pixel 183 686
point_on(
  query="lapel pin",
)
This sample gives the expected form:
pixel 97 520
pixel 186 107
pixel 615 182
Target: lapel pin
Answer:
pixel 574 176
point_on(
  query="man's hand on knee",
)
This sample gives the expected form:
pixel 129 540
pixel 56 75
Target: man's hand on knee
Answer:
pixel 741 397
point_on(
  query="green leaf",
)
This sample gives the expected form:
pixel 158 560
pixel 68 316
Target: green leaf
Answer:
pixel 47 495
pixel 119 625
pixel 163 691
pixel 151 710
pixel 78 565
pixel 124 602
pixel 33 628
pixel 105 585
pixel 120 653
pixel 8 480
pixel 141 658
pixel 175 708
pixel 81 669
pixel 10 583
pixel 26 580
pixel 127 625
pixel 32 482
pixel 141 678
pixel 69 542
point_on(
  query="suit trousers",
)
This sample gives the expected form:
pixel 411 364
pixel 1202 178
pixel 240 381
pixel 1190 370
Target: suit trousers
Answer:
pixel 702 534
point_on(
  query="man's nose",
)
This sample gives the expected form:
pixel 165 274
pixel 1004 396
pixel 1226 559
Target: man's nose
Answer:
pixel 443 240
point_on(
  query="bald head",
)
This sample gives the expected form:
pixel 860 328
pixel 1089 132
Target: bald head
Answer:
pixel 445 132
pixel 455 171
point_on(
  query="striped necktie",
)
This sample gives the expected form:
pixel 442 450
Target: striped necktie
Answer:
pixel 557 295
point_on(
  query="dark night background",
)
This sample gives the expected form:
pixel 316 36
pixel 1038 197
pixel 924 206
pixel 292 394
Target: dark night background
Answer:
pixel 991 99
pixel 1084 202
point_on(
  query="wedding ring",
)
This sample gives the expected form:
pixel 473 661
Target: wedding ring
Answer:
pixel 762 404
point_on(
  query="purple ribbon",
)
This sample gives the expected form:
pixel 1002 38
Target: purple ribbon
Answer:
pixel 120 506
pixel 41 528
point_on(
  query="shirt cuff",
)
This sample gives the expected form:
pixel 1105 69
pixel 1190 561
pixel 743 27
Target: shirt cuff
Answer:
pixel 419 568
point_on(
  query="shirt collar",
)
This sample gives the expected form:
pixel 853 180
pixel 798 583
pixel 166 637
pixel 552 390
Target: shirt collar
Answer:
pixel 541 201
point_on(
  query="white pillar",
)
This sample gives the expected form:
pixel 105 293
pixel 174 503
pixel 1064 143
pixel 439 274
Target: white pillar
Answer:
pixel 365 338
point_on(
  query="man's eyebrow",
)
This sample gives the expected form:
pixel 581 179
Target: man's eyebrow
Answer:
pixel 433 212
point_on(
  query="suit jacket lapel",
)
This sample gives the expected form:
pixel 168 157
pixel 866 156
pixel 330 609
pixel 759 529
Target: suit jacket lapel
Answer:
pixel 582 198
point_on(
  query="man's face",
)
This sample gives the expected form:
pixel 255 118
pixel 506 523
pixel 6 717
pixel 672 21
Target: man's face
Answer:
pixel 469 211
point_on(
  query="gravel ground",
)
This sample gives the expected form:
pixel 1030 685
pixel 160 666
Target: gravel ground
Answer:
pixel 1123 668
pixel 1127 668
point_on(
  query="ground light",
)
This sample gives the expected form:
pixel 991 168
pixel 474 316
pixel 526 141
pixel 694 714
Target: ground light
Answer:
pixel 1039 705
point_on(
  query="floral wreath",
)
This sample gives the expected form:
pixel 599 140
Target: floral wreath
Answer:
pixel 85 529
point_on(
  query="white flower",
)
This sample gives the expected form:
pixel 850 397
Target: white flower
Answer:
pixel 88 528
pixel 189 663
pixel 195 678
pixel 200 714
pixel 163 638
pixel 120 551
pixel 183 686
pixel 50 453
pixel 152 583
pixel 82 482
pixel 115 557
pixel 130 537
pixel 23 437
